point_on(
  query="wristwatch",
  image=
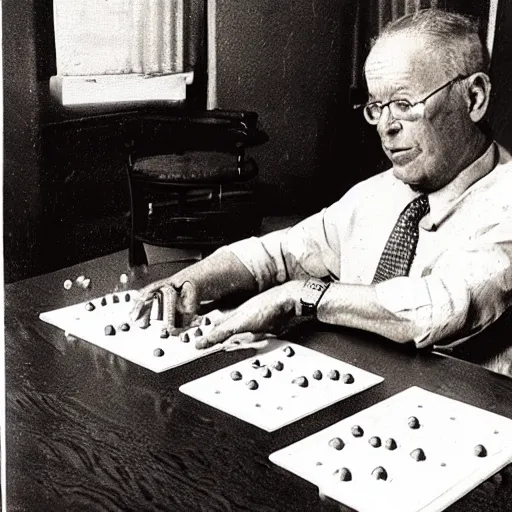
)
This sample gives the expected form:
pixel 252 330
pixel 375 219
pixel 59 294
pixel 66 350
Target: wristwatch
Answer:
pixel 312 292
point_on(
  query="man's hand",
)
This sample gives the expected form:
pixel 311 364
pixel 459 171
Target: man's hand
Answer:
pixel 178 300
pixel 218 275
pixel 260 317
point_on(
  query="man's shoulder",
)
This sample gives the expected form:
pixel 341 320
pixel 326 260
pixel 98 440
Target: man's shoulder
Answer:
pixel 382 183
pixel 494 188
pixel 378 190
pixel 502 172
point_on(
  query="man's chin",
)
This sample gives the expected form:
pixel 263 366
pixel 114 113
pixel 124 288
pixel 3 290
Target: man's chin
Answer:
pixel 406 176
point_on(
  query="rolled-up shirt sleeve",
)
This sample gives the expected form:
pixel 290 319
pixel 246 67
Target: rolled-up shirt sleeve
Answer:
pixel 310 248
pixel 466 290
pixel 263 257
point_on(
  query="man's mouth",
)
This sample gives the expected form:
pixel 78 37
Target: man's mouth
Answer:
pixel 398 151
pixel 401 155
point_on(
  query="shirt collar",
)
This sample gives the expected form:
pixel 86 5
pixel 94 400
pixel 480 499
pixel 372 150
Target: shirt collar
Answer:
pixel 441 201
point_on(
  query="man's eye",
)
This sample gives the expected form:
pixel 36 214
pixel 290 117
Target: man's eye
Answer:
pixel 402 105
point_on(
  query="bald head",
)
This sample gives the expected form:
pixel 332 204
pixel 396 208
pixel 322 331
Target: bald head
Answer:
pixel 455 40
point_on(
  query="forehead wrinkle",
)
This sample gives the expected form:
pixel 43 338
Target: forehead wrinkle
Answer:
pixel 402 78
pixel 387 68
pixel 398 63
pixel 386 84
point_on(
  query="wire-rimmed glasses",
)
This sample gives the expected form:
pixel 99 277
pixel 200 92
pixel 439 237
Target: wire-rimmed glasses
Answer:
pixel 401 109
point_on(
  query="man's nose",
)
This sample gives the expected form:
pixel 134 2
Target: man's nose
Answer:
pixel 387 124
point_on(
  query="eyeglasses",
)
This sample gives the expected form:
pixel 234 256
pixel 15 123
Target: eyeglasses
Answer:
pixel 402 110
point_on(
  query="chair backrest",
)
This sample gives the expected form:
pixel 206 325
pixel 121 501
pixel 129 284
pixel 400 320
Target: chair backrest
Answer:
pixel 216 130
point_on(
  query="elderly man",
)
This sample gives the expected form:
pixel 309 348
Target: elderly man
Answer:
pixel 421 252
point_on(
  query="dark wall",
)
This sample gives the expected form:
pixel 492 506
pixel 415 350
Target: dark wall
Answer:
pixel 22 149
pixel 501 76
pixel 65 193
pixel 289 61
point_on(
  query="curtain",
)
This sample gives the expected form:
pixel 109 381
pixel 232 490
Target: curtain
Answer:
pixel 370 18
pixel 384 11
pixel 97 37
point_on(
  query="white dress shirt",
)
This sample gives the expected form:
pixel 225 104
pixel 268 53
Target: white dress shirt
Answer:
pixel 461 277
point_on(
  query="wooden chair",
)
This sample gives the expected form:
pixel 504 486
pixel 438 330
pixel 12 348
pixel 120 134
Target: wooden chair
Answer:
pixel 190 181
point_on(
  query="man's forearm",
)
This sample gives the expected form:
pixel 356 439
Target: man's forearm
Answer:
pixel 218 275
pixel 358 306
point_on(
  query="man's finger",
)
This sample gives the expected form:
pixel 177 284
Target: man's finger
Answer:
pixel 185 323
pixel 145 297
pixel 217 316
pixel 170 296
pixel 138 309
pixel 143 317
pixel 247 340
pixel 157 310
pixel 217 335
pixel 188 303
pixel 224 328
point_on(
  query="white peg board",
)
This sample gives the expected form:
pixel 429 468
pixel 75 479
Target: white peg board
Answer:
pixel 136 345
pixel 448 433
pixel 278 401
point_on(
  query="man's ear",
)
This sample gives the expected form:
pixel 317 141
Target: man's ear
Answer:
pixel 479 92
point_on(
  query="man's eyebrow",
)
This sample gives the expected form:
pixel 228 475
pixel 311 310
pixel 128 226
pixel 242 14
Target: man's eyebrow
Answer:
pixel 390 94
pixel 401 90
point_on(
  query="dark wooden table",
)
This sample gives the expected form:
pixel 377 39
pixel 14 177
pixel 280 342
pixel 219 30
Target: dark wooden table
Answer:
pixel 89 431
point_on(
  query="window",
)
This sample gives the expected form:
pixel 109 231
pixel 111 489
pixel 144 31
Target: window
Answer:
pixel 115 51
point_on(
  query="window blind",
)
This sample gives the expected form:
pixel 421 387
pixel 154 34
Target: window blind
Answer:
pixel 119 50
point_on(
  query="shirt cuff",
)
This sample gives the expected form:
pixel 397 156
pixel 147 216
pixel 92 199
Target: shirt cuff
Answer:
pixel 451 298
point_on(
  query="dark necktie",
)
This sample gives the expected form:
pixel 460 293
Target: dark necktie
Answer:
pixel 400 248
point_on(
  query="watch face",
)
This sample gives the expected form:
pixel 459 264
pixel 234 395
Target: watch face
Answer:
pixel 311 295
pixel 316 286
